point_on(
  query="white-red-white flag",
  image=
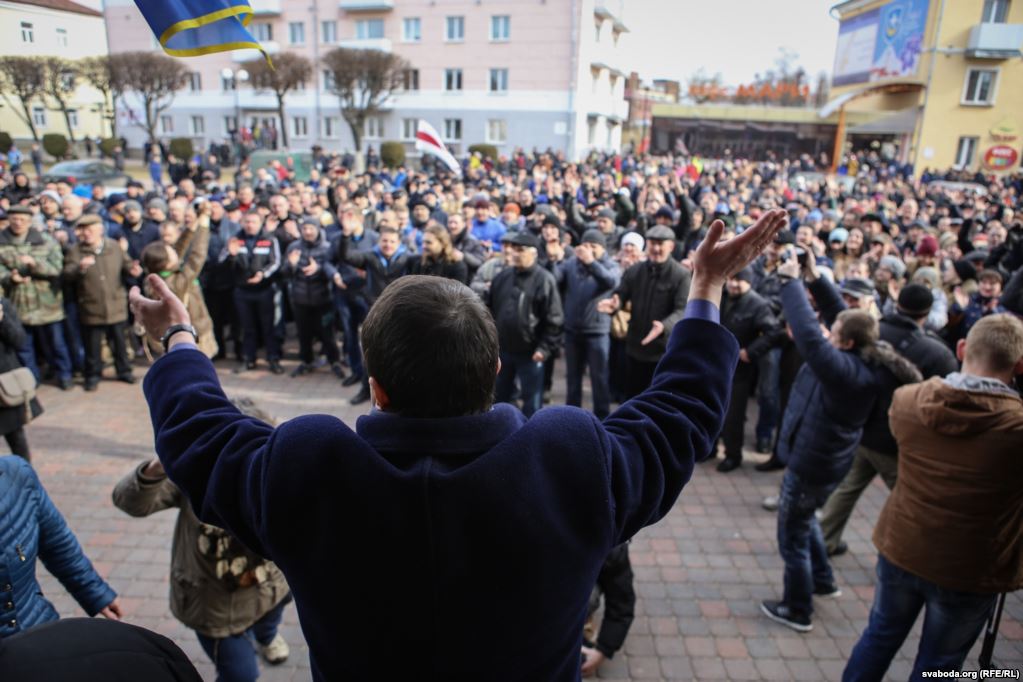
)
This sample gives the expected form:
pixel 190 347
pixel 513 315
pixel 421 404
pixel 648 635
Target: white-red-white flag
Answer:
pixel 428 140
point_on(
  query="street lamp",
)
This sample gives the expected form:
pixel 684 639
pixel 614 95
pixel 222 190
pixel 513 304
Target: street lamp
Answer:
pixel 236 77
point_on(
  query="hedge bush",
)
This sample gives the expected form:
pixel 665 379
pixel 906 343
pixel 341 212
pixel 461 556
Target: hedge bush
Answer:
pixel 392 154
pixel 107 146
pixel 181 147
pixel 56 145
pixel 5 142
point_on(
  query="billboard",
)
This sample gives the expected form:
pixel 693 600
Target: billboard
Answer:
pixel 884 43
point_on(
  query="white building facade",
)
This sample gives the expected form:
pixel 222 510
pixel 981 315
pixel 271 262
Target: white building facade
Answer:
pixel 532 74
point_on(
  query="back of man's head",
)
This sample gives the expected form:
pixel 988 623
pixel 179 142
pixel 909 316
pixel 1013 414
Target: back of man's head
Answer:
pixel 994 346
pixel 431 344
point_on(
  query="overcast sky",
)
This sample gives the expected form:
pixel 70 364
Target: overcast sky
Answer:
pixel 736 38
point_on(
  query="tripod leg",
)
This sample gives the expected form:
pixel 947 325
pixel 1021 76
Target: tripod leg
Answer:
pixel 991 633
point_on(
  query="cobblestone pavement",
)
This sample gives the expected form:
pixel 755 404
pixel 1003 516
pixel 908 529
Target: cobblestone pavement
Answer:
pixel 700 573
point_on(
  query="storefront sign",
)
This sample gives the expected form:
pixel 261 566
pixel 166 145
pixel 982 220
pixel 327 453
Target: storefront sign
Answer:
pixel 1001 158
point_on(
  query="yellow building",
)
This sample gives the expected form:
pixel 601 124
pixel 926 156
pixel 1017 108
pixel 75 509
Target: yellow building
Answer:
pixel 60 28
pixel 943 77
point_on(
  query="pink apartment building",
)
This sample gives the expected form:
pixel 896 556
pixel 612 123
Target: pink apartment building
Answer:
pixel 513 73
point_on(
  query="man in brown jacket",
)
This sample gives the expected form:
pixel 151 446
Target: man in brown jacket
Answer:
pixel 97 266
pixel 950 537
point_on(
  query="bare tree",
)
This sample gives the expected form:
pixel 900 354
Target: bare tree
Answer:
pixel 24 79
pixel 60 86
pixel 706 88
pixel 108 74
pixel 363 81
pixel 289 71
pixel 154 78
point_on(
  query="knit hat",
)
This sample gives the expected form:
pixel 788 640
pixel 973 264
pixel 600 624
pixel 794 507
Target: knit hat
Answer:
pixel 606 213
pixel 664 212
pixel 894 266
pixel 746 274
pixel 839 234
pixel 965 269
pixel 927 276
pixel 132 205
pixel 915 300
pixel 50 194
pixel 634 238
pixel 158 204
pixel 594 237
pixel 928 246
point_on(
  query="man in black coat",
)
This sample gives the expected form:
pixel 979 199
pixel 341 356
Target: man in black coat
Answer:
pixel 750 318
pixel 878 451
pixel 527 309
pixel 657 288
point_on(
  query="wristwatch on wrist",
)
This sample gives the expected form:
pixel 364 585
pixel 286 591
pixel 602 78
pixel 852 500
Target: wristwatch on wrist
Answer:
pixel 174 329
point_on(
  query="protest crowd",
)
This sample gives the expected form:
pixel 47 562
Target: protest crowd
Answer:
pixel 878 333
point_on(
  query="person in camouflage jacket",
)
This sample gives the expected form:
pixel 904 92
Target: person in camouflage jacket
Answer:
pixel 30 267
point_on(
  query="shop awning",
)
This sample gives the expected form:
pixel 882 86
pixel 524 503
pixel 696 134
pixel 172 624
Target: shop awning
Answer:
pixel 899 123
pixel 884 88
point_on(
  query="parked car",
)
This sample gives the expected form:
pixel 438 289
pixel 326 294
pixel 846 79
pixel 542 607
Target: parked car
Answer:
pixel 301 161
pixel 86 173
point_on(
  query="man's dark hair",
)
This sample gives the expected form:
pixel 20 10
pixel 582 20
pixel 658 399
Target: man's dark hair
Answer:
pixel 431 344
pixel 388 229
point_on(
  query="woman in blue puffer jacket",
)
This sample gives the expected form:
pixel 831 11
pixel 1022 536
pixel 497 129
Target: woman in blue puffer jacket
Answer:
pixel 31 527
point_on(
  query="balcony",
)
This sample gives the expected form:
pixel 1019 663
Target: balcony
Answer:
pixel 266 8
pixel 242 56
pixel 382 44
pixel 366 5
pixel 995 41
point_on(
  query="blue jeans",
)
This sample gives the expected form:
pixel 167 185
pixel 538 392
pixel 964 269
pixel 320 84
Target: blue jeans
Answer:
pixel 592 350
pixel 801 541
pixel 952 622
pixel 351 312
pixel 530 376
pixel 768 393
pixel 52 341
pixel 235 657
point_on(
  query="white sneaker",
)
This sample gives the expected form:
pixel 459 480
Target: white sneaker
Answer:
pixel 276 651
pixel 770 503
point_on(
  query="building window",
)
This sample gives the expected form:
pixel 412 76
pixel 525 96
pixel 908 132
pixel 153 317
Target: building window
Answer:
pixel 296 33
pixel 591 131
pixel 374 128
pixel 39 117
pixel 230 125
pixel 300 86
pixel 499 80
pixel 980 86
pixel 497 131
pixel 966 152
pixel 409 126
pixel 329 32
pixel 166 125
pixel 27 32
pixel 500 27
pixel 328 80
pixel 452 80
pixel 330 127
pixel 454 29
pixel 61 37
pixel 453 129
pixel 227 84
pixel 995 11
pixel 299 126
pixel 198 125
pixel 410 79
pixel 195 81
pixel 369 29
pixel 411 30
pixel 263 32
pixel 72 118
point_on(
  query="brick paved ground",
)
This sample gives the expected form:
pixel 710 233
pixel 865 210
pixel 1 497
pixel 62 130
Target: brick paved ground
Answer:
pixel 700 573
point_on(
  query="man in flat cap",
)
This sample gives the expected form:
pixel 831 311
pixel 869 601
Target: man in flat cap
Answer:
pixel 658 289
pixel 526 306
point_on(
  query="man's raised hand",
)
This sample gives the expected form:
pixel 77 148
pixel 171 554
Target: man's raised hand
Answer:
pixel 159 313
pixel 715 261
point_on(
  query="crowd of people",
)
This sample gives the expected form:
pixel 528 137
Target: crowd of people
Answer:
pixel 878 333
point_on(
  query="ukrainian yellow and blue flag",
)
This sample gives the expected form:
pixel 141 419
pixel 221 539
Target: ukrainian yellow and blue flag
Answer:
pixel 189 28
